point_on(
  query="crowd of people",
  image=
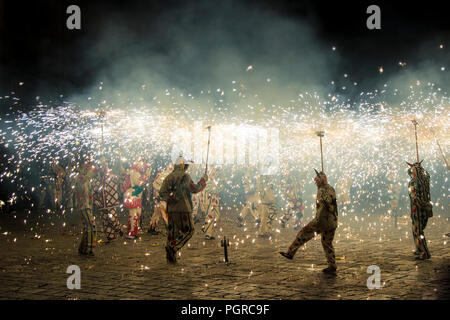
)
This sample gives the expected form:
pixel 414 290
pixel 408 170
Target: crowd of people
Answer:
pixel 179 203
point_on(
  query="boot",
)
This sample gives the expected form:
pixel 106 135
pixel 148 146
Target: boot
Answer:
pixel 286 255
pixel 329 270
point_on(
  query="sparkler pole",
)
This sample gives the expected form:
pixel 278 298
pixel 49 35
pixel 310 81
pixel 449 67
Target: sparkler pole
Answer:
pixel 415 133
pixel 320 134
pixel 207 153
pixel 102 113
pixel 442 154
pixel 440 149
pixel 103 143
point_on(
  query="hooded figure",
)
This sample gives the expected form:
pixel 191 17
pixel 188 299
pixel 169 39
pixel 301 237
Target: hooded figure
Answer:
pixel 176 190
pixel 325 223
pixel 134 185
pixel 421 208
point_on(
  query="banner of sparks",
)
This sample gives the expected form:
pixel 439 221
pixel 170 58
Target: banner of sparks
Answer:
pixel 366 142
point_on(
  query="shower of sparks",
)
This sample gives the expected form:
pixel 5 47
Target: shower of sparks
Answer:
pixel 367 141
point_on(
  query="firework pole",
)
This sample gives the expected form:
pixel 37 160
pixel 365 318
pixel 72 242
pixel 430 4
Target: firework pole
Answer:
pixel 440 149
pixel 207 153
pixel 321 134
pixel 442 154
pixel 102 114
pixel 415 123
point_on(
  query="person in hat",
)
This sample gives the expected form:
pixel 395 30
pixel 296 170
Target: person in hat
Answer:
pixel 176 190
pixel 160 210
pixel 134 185
pixel 83 204
pixel 325 223
pixel 421 208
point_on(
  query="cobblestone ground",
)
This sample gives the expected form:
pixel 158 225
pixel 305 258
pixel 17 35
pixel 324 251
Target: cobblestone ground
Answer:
pixel 33 264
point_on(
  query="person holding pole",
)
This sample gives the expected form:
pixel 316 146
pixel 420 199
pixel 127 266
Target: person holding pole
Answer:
pixel 176 190
pixel 325 222
pixel 421 208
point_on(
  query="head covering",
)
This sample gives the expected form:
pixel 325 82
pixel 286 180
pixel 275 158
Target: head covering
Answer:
pixel 321 178
pixel 415 169
pixel 320 174
pixel 182 163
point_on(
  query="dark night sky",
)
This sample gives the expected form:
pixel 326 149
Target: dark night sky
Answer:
pixel 37 48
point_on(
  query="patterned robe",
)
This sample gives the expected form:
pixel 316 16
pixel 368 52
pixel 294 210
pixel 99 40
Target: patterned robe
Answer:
pixel 176 190
pixel 421 208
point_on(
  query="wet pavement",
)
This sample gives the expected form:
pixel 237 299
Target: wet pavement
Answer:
pixel 33 263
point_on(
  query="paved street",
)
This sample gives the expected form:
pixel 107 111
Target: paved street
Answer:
pixel 33 264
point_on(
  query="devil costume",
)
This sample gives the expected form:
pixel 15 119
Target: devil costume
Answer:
pixel 421 208
pixel 176 190
pixel 325 223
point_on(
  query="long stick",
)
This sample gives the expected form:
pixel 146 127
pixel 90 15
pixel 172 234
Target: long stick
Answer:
pixel 321 153
pixel 442 154
pixel 207 153
pixel 103 143
pixel 321 134
pixel 415 132
pixel 440 149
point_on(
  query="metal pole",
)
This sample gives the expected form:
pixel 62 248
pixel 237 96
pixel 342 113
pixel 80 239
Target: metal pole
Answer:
pixel 442 154
pixel 207 154
pixel 320 134
pixel 415 133
pixel 321 153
